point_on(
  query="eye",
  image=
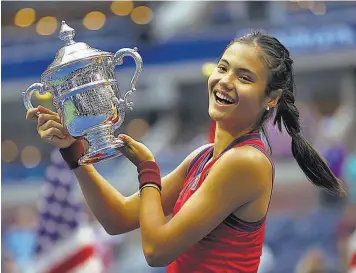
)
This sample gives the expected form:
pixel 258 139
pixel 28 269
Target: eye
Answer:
pixel 222 68
pixel 245 78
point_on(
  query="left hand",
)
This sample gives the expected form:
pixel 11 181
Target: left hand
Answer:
pixel 135 151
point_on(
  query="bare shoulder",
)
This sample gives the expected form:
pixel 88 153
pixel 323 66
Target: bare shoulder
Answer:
pixel 248 162
pixel 247 154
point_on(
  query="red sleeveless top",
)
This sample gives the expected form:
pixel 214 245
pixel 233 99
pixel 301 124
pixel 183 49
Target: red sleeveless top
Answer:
pixel 234 246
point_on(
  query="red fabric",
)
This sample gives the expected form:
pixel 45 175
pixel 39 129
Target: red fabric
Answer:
pixel 229 248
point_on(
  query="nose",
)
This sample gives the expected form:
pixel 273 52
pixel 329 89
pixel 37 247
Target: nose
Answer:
pixel 227 82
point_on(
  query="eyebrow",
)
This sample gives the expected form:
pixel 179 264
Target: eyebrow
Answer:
pixel 241 69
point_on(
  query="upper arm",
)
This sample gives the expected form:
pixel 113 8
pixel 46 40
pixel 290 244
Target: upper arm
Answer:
pixel 235 179
pixel 171 187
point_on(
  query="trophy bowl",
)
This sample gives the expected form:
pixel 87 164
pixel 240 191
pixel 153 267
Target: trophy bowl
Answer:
pixel 86 94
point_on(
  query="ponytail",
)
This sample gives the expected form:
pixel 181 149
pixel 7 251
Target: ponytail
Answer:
pixel 309 160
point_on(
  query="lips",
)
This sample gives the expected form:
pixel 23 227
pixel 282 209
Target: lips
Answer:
pixel 224 98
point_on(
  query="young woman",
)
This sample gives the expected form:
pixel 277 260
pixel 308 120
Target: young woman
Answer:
pixel 220 194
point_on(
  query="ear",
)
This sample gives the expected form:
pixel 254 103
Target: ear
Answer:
pixel 273 98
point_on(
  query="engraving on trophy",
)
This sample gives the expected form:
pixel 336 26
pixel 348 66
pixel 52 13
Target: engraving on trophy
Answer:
pixel 86 95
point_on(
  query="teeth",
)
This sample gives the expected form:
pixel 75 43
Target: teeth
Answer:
pixel 221 96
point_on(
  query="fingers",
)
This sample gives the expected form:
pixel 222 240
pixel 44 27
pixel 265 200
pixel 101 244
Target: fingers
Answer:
pixel 52 124
pixel 43 118
pixel 127 139
pixel 44 110
pixel 50 133
pixel 32 114
pixel 135 151
pixel 129 144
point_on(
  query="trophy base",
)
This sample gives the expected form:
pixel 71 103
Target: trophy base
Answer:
pixel 102 154
pixel 102 145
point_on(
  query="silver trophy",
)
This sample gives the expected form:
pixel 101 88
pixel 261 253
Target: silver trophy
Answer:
pixel 85 94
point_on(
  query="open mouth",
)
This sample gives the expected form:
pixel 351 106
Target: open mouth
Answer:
pixel 223 98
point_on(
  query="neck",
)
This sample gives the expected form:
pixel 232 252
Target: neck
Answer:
pixel 224 136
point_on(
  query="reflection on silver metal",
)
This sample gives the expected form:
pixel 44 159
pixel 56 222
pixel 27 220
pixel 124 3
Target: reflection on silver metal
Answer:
pixel 66 33
pixel 86 93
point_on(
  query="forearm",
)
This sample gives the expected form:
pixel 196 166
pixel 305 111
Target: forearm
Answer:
pixel 152 221
pixel 107 204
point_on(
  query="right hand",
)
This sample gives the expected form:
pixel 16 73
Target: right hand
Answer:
pixel 50 127
pixel 135 151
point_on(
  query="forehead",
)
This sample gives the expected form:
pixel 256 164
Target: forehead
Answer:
pixel 246 56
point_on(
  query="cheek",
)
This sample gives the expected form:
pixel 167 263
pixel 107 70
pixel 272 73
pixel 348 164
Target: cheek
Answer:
pixel 213 80
pixel 250 98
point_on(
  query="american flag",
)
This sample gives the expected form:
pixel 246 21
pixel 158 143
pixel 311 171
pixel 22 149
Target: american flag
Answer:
pixel 65 240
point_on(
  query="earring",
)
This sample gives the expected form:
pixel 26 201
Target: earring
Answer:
pixel 267 109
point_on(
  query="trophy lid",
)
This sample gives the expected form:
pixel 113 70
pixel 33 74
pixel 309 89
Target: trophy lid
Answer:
pixel 72 51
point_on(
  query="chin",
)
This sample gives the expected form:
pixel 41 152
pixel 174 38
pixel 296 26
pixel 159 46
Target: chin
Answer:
pixel 212 113
pixel 216 115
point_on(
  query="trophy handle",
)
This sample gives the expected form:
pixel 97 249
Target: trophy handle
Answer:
pixel 41 88
pixel 118 60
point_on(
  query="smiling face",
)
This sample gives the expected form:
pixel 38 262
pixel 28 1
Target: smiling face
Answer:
pixel 237 86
